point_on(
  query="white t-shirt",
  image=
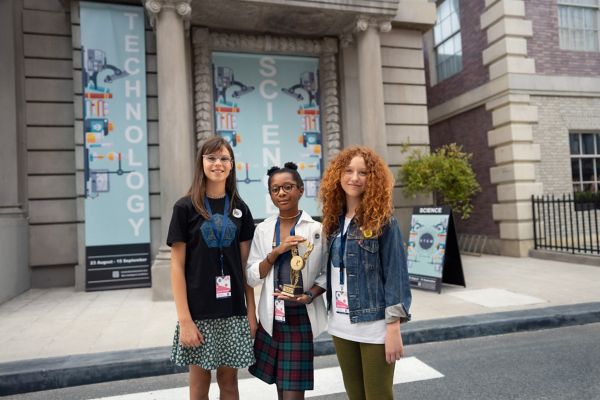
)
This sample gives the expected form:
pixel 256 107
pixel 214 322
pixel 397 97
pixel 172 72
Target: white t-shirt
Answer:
pixel 339 322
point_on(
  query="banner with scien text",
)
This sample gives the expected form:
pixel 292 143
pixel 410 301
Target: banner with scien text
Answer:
pixel 268 108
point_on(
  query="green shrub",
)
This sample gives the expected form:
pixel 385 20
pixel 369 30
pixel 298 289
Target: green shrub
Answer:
pixel 587 197
pixel 446 173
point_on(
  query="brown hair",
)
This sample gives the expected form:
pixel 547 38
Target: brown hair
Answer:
pixel 376 207
pixel 197 191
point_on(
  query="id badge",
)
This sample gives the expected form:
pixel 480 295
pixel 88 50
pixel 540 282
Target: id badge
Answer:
pixel 223 288
pixel 279 310
pixel 341 302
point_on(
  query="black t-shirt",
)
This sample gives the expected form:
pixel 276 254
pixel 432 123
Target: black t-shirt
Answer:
pixel 202 254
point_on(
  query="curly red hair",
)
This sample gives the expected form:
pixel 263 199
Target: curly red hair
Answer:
pixel 376 207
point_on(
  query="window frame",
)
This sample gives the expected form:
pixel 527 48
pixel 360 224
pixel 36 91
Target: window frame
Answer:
pixel 595 182
pixel 448 39
pixel 573 4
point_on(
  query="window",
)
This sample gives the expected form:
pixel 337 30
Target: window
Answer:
pixel 578 24
pixel 447 40
pixel 585 161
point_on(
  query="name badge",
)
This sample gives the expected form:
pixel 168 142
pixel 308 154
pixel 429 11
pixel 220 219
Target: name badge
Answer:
pixel 341 302
pixel 279 310
pixel 223 286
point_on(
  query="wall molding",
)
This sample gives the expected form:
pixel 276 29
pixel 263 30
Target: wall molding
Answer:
pixel 535 85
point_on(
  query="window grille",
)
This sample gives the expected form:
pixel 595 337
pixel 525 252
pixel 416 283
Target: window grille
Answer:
pixel 578 22
pixel 447 40
pixel 585 161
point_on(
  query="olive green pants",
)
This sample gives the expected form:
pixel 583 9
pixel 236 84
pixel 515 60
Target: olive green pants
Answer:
pixel 367 376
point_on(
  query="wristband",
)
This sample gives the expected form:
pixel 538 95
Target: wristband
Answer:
pixel 310 295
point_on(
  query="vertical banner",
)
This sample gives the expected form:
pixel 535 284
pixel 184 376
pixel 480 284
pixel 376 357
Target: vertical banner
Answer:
pixel 433 254
pixel 117 218
pixel 267 107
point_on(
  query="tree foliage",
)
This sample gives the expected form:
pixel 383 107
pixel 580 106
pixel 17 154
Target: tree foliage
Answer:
pixel 446 173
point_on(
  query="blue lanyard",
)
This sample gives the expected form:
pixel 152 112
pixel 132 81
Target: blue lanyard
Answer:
pixel 343 237
pixel 224 223
pixel 278 240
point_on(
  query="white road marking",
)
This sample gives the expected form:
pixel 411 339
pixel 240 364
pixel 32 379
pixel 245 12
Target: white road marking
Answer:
pixel 493 298
pixel 327 381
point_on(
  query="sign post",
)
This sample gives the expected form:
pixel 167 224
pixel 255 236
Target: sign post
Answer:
pixel 433 254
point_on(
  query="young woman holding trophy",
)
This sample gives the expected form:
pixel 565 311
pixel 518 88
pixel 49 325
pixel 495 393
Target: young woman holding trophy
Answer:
pixel 286 257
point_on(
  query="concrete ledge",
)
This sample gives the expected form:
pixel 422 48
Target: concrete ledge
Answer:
pixel 420 15
pixel 59 372
pixel 500 323
pixel 52 373
pixel 565 257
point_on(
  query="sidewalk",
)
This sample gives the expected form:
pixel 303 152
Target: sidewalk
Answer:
pixel 44 323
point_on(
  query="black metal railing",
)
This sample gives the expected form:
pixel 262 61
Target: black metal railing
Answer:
pixel 567 223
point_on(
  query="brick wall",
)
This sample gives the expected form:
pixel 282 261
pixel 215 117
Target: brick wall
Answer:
pixel 544 46
pixel 473 73
pixel 470 129
pixel 558 116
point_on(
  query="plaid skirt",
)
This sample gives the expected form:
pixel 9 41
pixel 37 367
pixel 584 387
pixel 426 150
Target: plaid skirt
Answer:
pixel 286 359
pixel 227 342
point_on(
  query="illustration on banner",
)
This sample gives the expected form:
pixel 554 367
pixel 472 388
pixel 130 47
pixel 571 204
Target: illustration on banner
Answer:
pixel 226 111
pixel 97 125
pixel 426 244
pixel 310 124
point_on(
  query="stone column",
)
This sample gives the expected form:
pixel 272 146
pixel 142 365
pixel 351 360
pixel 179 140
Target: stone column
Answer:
pixel 14 261
pixel 370 82
pixel 170 18
pixel 332 132
pixel 512 116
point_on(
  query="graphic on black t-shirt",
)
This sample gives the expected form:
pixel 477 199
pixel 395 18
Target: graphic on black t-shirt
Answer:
pixel 208 234
pixel 202 258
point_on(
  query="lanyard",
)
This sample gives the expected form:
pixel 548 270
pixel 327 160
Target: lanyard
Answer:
pixel 343 237
pixel 224 223
pixel 278 240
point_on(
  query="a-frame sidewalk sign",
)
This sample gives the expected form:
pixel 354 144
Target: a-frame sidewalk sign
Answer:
pixel 432 252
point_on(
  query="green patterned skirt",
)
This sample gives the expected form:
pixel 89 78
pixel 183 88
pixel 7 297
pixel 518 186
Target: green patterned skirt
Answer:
pixel 227 342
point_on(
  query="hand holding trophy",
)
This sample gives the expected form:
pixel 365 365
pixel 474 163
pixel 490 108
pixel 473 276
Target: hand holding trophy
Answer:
pixel 297 263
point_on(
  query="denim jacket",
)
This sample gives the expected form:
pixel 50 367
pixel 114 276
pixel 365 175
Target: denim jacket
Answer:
pixel 378 285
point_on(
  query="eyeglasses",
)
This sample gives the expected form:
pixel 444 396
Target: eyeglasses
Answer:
pixel 287 187
pixel 211 158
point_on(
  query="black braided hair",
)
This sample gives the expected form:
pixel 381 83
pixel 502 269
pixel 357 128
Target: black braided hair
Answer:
pixel 290 168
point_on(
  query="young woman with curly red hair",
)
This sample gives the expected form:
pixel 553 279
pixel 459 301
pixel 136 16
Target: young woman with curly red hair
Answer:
pixel 368 291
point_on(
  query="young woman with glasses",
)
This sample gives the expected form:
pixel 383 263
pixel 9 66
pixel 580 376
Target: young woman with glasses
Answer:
pixel 210 235
pixel 368 290
pixel 286 258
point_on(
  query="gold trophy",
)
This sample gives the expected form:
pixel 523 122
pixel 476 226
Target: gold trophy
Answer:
pixel 296 265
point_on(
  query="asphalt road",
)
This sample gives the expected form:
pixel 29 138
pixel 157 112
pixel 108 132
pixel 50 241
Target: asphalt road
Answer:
pixel 558 364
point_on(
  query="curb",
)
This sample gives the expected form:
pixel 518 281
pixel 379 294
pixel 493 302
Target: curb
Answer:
pixel 59 372
pixel 565 257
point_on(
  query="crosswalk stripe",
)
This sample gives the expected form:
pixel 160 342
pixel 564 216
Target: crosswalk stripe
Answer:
pixel 327 381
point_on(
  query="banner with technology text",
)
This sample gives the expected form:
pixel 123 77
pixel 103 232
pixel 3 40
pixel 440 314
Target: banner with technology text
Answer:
pixel 268 108
pixel 117 217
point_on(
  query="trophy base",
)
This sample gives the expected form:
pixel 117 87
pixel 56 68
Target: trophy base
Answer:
pixel 288 290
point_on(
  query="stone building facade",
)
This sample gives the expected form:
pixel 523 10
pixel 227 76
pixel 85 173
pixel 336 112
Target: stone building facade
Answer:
pixel 522 91
pixel 371 67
